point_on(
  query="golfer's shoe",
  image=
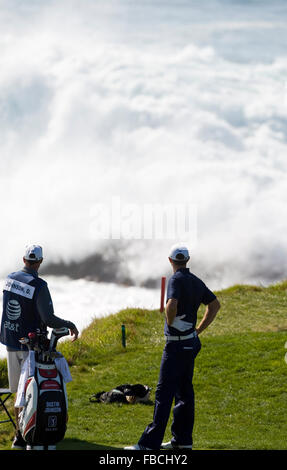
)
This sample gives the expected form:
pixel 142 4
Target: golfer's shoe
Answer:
pixel 51 447
pixel 136 447
pixel 35 447
pixel 18 442
pixel 170 445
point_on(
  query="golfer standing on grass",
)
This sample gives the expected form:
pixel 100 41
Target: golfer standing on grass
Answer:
pixel 185 293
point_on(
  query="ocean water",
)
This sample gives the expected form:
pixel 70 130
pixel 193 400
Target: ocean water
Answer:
pixel 145 103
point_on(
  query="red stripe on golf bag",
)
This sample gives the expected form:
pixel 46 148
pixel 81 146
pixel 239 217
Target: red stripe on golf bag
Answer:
pixel 30 424
pixel 48 373
pixel 26 384
pixel 50 385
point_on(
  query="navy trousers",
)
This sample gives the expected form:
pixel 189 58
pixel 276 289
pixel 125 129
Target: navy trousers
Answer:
pixel 175 382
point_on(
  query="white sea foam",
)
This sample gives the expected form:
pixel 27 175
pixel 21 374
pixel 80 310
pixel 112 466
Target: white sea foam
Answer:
pixel 152 102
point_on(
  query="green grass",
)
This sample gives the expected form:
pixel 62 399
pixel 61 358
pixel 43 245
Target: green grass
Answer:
pixel 240 375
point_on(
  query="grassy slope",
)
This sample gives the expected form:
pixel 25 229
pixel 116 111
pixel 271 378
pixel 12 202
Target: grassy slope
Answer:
pixel 240 375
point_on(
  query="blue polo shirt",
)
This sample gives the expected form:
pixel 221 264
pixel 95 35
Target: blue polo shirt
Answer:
pixel 190 292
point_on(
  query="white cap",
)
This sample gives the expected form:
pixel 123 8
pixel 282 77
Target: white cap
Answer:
pixel 179 253
pixel 33 253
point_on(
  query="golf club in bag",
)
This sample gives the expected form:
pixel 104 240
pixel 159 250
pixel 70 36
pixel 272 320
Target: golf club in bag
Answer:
pixel 43 418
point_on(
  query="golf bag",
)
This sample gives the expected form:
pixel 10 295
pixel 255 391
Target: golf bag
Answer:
pixel 43 418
